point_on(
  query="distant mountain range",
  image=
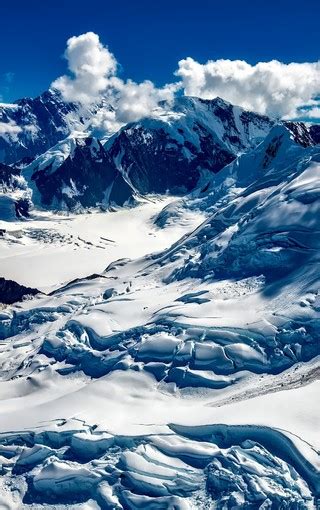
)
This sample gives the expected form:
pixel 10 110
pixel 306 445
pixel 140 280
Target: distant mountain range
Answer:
pixel 55 158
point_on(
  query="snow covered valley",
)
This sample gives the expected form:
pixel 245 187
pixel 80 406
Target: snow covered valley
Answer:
pixel 51 249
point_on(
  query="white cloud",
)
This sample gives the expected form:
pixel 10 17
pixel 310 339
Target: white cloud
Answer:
pixel 93 77
pixel 138 100
pixel 91 64
pixel 32 129
pixel 314 113
pixel 104 121
pixel 272 88
pixel 129 102
pixel 9 128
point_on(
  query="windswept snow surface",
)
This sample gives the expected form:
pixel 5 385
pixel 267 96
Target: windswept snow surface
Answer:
pixel 50 250
pixel 184 374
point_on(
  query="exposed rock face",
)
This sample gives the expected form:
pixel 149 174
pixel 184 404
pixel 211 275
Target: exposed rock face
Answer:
pixel 315 133
pixel 11 292
pixel 169 152
pixel 37 124
pixel 8 176
pixel 302 134
pixel 76 173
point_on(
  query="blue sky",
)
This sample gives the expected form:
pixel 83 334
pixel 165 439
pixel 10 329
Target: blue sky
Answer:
pixel 149 38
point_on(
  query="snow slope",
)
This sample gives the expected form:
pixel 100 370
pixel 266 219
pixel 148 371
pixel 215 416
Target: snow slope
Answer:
pixel 49 250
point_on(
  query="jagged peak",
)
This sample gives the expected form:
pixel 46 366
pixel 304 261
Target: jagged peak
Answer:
pixel 294 132
pixel 45 96
pixel 56 155
pixel 300 133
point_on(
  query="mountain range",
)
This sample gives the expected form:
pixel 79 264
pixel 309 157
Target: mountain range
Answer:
pixel 172 151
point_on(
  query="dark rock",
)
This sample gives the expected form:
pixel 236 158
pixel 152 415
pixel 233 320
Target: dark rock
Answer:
pixel 86 178
pixel 160 155
pixel 8 176
pixel 11 291
pixel 315 133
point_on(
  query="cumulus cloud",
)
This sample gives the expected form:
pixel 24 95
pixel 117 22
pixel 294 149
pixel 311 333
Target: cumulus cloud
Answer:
pixel 92 66
pixel 273 88
pixel 104 121
pixel 130 102
pixel 313 113
pixel 9 128
pixel 137 100
pixel 93 76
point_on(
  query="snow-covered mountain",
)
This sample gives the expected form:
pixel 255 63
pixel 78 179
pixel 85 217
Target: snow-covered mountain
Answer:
pixel 170 151
pixel 76 172
pixel 281 150
pixel 31 126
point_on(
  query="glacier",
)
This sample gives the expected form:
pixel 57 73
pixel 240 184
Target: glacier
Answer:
pixel 168 354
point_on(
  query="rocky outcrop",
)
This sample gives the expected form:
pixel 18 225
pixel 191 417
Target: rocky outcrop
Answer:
pixel 11 292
